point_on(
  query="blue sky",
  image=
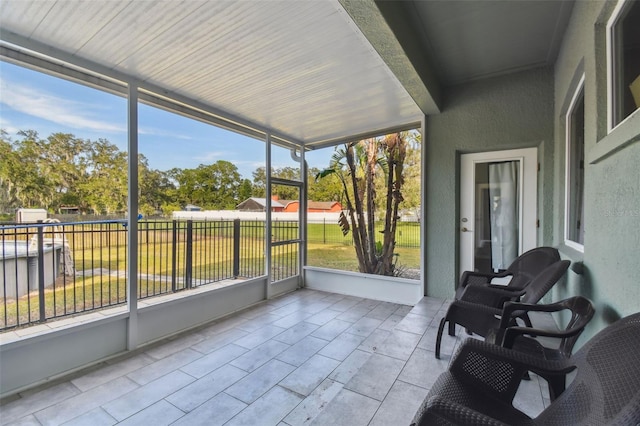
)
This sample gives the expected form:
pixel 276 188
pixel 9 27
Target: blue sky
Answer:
pixel 31 100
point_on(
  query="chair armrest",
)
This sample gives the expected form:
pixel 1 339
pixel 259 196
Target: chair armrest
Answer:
pixel 507 288
pixel 511 333
pixel 465 306
pixel 437 408
pixel 488 295
pixel 497 371
pixel 471 277
pixel 512 309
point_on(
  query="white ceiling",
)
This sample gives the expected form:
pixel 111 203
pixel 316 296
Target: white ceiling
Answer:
pixel 313 72
pixel 301 69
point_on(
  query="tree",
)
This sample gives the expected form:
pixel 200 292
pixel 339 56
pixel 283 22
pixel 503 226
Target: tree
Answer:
pixel 8 197
pixel 64 162
pixel 65 170
pixel 281 191
pixel 105 189
pixel 356 166
pixel 214 186
pixel 412 171
pixel 412 177
pixel 322 189
pixel 259 182
pixel 245 190
pixel 28 184
pixel 155 188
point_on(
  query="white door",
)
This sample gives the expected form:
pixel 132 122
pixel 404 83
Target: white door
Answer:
pixel 498 208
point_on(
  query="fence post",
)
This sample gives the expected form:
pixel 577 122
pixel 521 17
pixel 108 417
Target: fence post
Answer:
pixel 236 248
pixel 324 230
pixel 174 250
pixel 41 271
pixel 189 254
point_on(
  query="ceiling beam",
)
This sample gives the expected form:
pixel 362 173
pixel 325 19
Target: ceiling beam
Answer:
pixel 386 25
pixel 362 136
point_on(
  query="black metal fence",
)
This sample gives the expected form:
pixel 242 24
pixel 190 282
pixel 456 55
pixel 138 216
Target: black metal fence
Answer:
pixel 50 270
pixel 285 243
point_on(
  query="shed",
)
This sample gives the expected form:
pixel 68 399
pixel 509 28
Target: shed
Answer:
pixel 30 215
pixel 255 204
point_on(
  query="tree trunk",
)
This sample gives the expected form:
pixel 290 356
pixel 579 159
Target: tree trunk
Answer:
pixel 357 222
pixel 372 160
pixel 396 153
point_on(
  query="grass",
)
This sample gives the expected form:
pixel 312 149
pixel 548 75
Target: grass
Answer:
pixel 342 257
pixel 407 234
pixel 66 297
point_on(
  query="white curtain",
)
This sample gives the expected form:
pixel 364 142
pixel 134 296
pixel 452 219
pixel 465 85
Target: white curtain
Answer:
pixel 503 190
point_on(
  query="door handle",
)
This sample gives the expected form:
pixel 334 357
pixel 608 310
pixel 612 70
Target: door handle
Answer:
pixel 466 230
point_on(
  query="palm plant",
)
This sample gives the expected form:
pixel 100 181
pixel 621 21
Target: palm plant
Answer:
pixel 356 165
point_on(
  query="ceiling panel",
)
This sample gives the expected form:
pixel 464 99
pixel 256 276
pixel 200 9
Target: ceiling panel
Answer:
pixel 469 40
pixel 299 68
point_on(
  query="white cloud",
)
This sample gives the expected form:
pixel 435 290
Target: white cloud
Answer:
pixel 151 131
pixel 211 156
pixel 254 164
pixel 67 112
pixel 8 127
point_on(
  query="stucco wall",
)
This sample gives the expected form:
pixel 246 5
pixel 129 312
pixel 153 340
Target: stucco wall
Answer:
pixel 508 112
pixel 612 175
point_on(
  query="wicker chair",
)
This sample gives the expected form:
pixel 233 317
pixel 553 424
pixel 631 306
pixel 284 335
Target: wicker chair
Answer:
pixel 524 339
pixel 480 307
pixel 479 387
pixel 522 270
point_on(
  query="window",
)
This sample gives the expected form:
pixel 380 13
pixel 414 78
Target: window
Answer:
pixel 623 43
pixel 574 212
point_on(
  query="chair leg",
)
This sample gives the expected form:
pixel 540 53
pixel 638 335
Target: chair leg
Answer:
pixel 556 386
pixel 527 321
pixel 439 336
pixel 452 328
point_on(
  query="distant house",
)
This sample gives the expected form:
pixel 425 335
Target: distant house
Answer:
pixel 314 206
pixel 69 210
pixel 192 208
pixel 255 204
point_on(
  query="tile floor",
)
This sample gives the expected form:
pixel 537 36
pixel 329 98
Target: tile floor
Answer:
pixel 306 358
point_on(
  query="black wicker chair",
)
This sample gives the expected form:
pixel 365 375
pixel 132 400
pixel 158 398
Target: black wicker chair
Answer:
pixel 522 270
pixel 482 380
pixel 480 308
pixel 524 339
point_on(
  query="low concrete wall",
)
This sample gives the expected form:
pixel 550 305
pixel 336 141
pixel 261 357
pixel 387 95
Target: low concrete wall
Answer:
pixel 36 359
pixel 388 289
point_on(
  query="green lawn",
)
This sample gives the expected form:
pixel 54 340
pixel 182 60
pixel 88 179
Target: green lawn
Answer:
pixel 407 234
pixel 343 257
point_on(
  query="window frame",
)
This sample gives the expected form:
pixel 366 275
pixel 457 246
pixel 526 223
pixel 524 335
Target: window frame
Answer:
pixel 578 94
pixel 614 63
